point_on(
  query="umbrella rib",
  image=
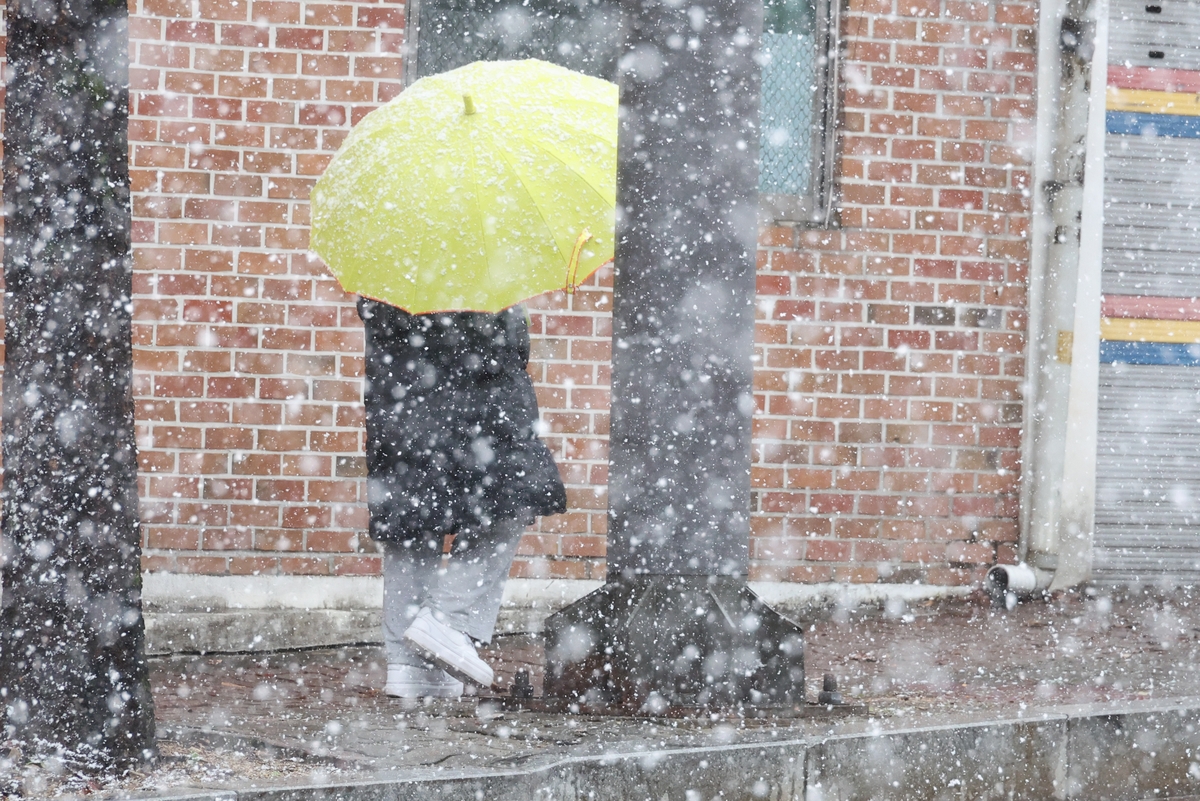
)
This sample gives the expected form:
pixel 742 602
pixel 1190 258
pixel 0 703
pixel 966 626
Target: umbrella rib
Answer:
pixel 483 239
pixel 535 144
pixel 421 255
pixel 406 197
pixel 533 201
pixel 576 130
pixel 424 242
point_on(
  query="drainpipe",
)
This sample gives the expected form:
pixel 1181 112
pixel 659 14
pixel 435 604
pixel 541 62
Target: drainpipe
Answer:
pixel 1062 370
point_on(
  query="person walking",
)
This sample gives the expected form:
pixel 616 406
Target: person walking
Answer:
pixel 451 450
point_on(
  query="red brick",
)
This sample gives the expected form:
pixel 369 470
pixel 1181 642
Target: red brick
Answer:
pixel 357 565
pixel 190 31
pixel 827 551
pixel 275 11
pixel 244 36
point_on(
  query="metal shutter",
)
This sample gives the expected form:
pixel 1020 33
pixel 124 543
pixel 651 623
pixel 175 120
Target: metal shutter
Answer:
pixel 1148 474
pixel 1169 37
pixel 1148 460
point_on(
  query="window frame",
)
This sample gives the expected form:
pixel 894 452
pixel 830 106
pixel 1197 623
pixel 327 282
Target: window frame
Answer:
pixel 815 209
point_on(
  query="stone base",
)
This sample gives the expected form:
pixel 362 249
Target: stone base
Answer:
pixel 661 642
pixel 244 614
pixel 255 630
pixel 232 614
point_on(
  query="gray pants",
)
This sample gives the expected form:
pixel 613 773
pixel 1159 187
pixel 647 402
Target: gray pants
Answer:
pixel 464 592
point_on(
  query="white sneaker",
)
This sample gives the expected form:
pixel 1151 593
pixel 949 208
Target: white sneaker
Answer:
pixel 449 648
pixel 406 681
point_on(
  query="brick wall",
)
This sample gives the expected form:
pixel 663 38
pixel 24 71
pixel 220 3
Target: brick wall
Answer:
pixel 248 356
pixel 890 350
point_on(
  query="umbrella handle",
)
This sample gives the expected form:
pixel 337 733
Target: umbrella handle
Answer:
pixel 573 264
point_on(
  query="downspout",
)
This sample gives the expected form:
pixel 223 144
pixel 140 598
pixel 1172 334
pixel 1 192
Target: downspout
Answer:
pixel 1077 508
pixel 1040 349
pixel 1062 361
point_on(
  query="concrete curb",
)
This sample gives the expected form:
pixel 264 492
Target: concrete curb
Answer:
pixel 247 614
pixel 1100 752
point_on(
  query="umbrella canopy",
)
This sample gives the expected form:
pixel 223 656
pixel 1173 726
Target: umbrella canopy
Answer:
pixel 474 189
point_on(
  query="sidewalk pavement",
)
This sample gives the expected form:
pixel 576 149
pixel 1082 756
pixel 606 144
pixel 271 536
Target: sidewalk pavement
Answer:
pixel 1114 679
pixel 958 658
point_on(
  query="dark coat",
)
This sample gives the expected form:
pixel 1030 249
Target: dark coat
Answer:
pixel 450 423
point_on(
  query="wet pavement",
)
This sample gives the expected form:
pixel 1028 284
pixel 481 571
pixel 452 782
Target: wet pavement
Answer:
pixel 1083 696
pixel 933 664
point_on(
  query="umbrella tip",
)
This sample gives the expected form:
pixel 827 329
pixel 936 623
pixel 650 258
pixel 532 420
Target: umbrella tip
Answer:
pixel 468 105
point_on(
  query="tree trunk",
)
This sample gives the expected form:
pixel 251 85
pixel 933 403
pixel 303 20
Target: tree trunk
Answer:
pixel 72 666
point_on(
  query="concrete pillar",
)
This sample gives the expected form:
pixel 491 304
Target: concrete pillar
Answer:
pixel 676 625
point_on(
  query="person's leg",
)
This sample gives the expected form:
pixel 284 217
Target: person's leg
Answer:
pixel 466 594
pixel 407 574
pixel 409 569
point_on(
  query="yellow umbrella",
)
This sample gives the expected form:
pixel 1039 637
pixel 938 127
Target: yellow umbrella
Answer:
pixel 474 189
